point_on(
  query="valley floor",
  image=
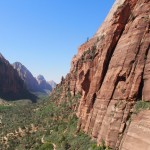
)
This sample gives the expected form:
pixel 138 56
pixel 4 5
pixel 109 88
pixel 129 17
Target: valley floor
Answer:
pixel 42 126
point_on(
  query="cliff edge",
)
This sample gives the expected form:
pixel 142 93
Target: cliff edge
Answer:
pixel 112 72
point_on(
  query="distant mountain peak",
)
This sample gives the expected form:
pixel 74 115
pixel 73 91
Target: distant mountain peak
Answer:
pixel 52 83
pixel 33 84
pixel 1 56
pixel 26 76
pixel 40 77
pixel 19 65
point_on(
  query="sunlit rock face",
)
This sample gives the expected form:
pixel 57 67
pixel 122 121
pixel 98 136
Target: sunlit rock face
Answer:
pixel 112 71
pixel 43 84
pixel 33 84
pixel 52 83
pixel 30 82
pixel 137 136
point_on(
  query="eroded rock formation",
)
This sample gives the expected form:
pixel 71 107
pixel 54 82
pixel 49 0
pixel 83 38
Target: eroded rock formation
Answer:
pixel 43 84
pixel 30 82
pixel 11 85
pixel 52 83
pixel 137 136
pixel 112 71
pixel 33 84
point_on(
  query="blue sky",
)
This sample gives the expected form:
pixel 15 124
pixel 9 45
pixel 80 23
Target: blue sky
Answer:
pixel 44 35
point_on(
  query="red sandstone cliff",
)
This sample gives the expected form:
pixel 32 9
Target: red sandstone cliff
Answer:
pixel 112 71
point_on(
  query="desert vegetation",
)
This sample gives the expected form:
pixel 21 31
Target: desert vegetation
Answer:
pixel 142 105
pixel 43 126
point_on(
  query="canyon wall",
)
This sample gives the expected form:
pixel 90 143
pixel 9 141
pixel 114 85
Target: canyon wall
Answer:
pixel 11 85
pixel 112 71
pixel 30 82
pixel 33 84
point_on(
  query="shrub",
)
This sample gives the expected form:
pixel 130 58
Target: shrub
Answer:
pixel 141 105
pixel 47 146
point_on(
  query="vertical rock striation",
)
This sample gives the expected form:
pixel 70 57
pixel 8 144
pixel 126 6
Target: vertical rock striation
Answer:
pixel 112 71
pixel 137 136
pixel 43 84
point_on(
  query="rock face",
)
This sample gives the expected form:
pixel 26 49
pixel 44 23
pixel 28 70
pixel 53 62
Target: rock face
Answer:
pixel 112 71
pixel 30 82
pixel 52 83
pixel 43 84
pixel 11 85
pixel 137 136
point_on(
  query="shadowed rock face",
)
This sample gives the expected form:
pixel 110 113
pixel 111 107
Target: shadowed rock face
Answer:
pixel 43 84
pixel 11 85
pixel 112 71
pixel 32 84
